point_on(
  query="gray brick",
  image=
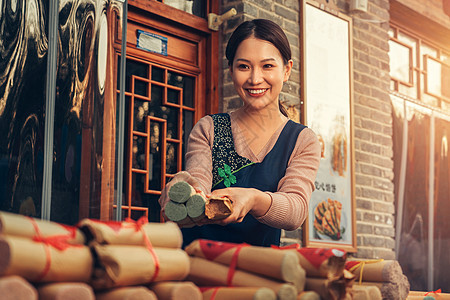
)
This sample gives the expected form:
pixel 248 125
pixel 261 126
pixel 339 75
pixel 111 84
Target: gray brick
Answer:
pixel 382 183
pixel 292 27
pixel 384 231
pixel 382 139
pixel 293 4
pixel 372 194
pixel 287 242
pixel 364 252
pixel 364 228
pixel 382 254
pixel 251 9
pixel 379 218
pixel 364 180
pixel 389 242
pixel 384 162
pixel 384 207
pixel 286 13
pixel 364 204
pixel 229 91
pixel 374 241
pixel 267 4
pixel 370 147
pixel 359 240
pixel 371 125
pixel 294 234
pixel 363 157
pixel 270 16
pixel 234 103
pixel 359 215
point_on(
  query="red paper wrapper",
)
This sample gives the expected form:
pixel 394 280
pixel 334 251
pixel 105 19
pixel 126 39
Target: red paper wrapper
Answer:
pixel 320 262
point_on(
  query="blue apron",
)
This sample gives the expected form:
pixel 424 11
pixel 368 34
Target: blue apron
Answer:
pixel 263 176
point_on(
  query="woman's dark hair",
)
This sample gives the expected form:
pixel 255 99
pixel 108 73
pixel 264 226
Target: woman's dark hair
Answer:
pixel 264 30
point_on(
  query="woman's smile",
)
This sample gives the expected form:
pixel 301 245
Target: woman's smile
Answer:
pixel 257 92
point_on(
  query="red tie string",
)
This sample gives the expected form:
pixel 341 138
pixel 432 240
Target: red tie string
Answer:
pixel 214 293
pixel 292 246
pixel 139 227
pixel 434 292
pixel 233 263
pixel 116 226
pixel 57 241
pixel 71 229
pixel 203 289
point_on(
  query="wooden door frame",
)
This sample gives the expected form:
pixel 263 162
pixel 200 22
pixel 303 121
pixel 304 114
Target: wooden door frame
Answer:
pixel 151 12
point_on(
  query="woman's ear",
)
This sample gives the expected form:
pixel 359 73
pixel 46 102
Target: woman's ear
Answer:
pixel 288 69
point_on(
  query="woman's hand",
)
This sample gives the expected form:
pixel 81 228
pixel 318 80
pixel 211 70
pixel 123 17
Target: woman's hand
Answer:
pixel 180 176
pixel 245 200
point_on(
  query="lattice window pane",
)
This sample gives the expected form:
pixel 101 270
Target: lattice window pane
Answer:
pixel 155 156
pixel 400 58
pixel 157 74
pixel 172 158
pixel 141 111
pixel 138 159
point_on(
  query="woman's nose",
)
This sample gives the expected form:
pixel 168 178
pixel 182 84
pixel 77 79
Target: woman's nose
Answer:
pixel 256 76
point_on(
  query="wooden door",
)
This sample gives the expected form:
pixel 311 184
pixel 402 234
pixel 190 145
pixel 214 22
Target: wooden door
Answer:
pixel 166 92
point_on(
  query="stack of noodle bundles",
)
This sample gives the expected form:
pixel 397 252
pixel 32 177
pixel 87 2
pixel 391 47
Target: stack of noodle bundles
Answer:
pixel 387 275
pixel 42 258
pixel 241 271
pixel 325 273
pixel 135 253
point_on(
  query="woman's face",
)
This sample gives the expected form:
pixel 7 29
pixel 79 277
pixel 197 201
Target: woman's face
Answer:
pixel 258 73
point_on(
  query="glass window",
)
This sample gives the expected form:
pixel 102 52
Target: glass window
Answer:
pixel 400 56
pixel 422 73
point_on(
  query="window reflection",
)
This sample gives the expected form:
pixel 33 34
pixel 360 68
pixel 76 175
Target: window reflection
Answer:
pixel 184 82
pixel 138 150
pixel 134 68
pixel 171 158
pixel 141 110
pixel 155 156
pixel 157 74
pixel 195 7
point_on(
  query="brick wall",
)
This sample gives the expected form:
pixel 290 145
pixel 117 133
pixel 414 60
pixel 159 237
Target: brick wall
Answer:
pixel 373 133
pixel 372 111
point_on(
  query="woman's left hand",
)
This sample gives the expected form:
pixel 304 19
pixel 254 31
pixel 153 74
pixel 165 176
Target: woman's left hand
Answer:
pixel 244 200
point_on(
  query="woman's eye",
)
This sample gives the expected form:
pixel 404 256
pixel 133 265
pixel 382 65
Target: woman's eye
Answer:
pixel 268 66
pixel 242 66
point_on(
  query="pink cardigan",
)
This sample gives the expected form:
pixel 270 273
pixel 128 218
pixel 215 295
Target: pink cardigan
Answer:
pixel 289 207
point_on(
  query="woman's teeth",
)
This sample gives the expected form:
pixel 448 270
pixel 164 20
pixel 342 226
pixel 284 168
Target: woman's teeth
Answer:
pixel 256 92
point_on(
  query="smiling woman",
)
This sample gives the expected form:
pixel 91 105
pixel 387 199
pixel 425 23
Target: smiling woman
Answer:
pixel 273 161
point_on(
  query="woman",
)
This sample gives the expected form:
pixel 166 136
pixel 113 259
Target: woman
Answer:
pixel 263 162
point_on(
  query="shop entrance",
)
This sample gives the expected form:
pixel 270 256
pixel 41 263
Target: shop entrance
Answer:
pixel 166 93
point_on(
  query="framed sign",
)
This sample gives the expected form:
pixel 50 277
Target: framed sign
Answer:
pixel 327 110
